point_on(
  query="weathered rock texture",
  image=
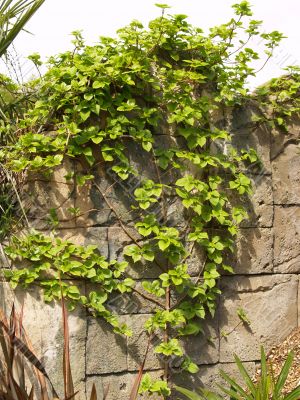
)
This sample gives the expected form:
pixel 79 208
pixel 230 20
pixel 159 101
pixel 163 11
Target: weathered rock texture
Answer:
pixel 265 284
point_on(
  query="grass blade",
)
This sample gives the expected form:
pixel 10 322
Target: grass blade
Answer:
pixel 283 375
pixel 245 375
pixel 188 393
pixel 233 384
pixel 294 395
pixel 14 19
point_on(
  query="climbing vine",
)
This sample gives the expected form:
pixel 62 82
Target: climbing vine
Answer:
pixel 279 100
pixel 162 93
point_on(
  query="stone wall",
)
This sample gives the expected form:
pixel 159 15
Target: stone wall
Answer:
pixel 265 283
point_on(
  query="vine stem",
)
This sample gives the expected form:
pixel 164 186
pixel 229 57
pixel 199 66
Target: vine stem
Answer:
pixel 234 26
pixel 117 216
pixel 145 296
pixel 166 334
pixel 168 290
pixel 264 64
pixel 241 47
pixel 232 330
pixel 197 281
pixel 160 35
pixel 164 209
pixel 122 224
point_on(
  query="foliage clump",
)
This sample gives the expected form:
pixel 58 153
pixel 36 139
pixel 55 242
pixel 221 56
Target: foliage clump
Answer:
pixel 164 93
pixel 279 100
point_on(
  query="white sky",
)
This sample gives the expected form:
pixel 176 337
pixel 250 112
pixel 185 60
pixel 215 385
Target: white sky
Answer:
pixel 52 25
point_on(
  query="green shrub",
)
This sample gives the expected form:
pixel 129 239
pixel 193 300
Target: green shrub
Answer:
pixel 265 388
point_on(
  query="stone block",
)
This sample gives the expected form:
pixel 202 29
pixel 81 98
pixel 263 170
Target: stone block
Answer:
pixel 117 241
pixel 279 140
pixel 4 261
pixel 104 199
pixel 241 116
pixel 299 301
pixel 118 386
pixel 41 195
pixel 287 239
pixel 143 161
pixel 196 261
pixel 137 345
pixel 44 327
pixel 100 199
pixel 204 348
pixel 259 205
pixel 106 352
pixel 253 252
pixel 208 377
pixel 93 209
pixel 114 386
pixel 286 176
pixel 88 236
pixel 129 303
pixel 270 302
pixel 246 136
pixel 177 214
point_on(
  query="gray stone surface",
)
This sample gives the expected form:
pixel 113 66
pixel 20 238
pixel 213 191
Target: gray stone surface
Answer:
pixel 246 136
pixel 4 261
pixel 253 252
pixel 85 236
pixel 208 377
pixel 41 195
pixel 129 303
pixel 138 343
pixel 270 302
pixel 266 261
pixel 204 348
pixel 106 352
pixel 259 204
pixel 286 177
pixel 94 209
pixel 43 325
pixel 281 141
pixel 287 239
pixel 196 261
pixel 117 240
pixel 118 386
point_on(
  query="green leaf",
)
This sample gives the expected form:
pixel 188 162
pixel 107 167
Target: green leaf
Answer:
pixel 134 252
pixel 169 348
pixel 88 96
pixel 147 146
pixel 189 366
pixel 192 328
pixel 98 85
pixel 243 316
pixel 163 244
pixel 85 115
pixel 160 5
